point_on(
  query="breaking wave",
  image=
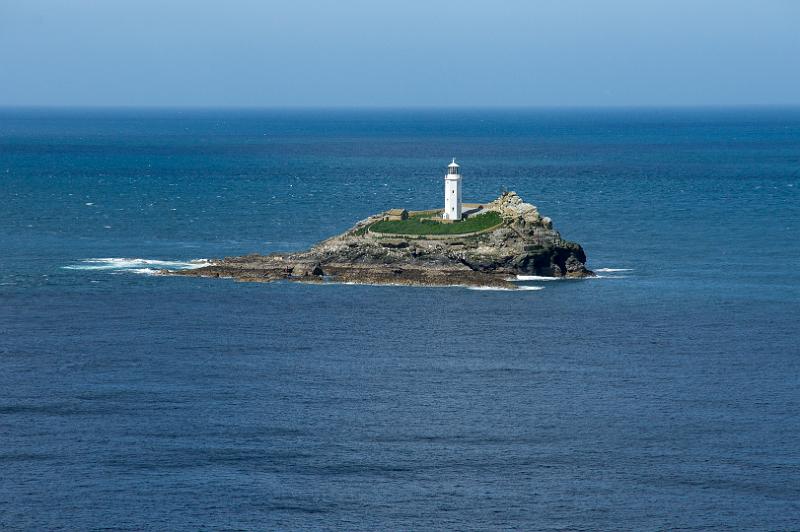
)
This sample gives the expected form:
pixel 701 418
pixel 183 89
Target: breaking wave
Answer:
pixel 145 271
pixel 500 288
pixel 613 270
pixel 468 287
pixel 140 266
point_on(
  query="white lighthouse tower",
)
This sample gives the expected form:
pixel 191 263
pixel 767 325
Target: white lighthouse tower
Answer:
pixel 452 192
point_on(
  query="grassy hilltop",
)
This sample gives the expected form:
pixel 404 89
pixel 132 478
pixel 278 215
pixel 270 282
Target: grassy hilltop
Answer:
pixel 421 224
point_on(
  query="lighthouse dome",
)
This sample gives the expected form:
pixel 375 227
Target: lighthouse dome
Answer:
pixel 453 168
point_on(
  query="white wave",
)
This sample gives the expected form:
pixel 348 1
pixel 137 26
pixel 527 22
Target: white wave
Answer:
pixel 469 287
pixel 535 278
pixel 136 265
pixel 613 270
pixel 504 289
pixel 145 271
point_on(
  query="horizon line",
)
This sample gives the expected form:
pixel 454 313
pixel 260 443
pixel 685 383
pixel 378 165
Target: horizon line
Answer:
pixel 228 107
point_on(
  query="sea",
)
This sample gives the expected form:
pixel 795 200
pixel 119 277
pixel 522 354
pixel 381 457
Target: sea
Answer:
pixel 662 394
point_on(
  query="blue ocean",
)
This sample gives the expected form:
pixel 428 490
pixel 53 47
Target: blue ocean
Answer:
pixel 663 394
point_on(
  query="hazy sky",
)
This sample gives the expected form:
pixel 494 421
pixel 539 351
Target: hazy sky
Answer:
pixel 399 53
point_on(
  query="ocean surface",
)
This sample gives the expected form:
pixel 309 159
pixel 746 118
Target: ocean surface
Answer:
pixel 663 394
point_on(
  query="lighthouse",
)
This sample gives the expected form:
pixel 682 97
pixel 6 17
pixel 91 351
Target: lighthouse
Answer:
pixel 452 192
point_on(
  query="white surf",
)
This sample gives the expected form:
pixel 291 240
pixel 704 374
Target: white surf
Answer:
pixel 502 289
pixel 135 265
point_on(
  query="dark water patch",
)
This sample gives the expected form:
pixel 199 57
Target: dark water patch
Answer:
pixel 194 457
pixel 296 507
pixel 9 457
pixel 54 409
pixel 77 409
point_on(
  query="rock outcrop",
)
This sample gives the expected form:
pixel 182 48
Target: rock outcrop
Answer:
pixel 525 244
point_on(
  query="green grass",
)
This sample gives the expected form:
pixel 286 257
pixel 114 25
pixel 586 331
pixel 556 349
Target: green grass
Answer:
pixel 415 226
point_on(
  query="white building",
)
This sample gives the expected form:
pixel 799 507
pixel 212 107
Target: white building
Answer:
pixel 452 192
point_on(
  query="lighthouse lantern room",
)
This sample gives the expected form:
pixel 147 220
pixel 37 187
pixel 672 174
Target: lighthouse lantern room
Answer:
pixel 452 192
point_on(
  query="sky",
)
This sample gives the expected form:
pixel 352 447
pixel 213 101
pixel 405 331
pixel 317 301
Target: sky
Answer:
pixel 399 53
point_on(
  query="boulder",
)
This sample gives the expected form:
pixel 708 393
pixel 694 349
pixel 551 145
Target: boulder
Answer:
pixel 306 270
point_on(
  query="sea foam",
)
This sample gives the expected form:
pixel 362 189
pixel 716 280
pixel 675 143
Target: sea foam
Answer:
pixel 468 287
pixel 503 289
pixel 140 266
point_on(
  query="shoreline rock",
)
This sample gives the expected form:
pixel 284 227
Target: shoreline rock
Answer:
pixel 525 244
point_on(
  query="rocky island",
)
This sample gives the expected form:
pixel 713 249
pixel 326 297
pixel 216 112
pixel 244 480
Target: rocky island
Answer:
pixel 492 245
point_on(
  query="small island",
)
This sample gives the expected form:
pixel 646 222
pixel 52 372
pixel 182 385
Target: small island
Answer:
pixel 468 244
